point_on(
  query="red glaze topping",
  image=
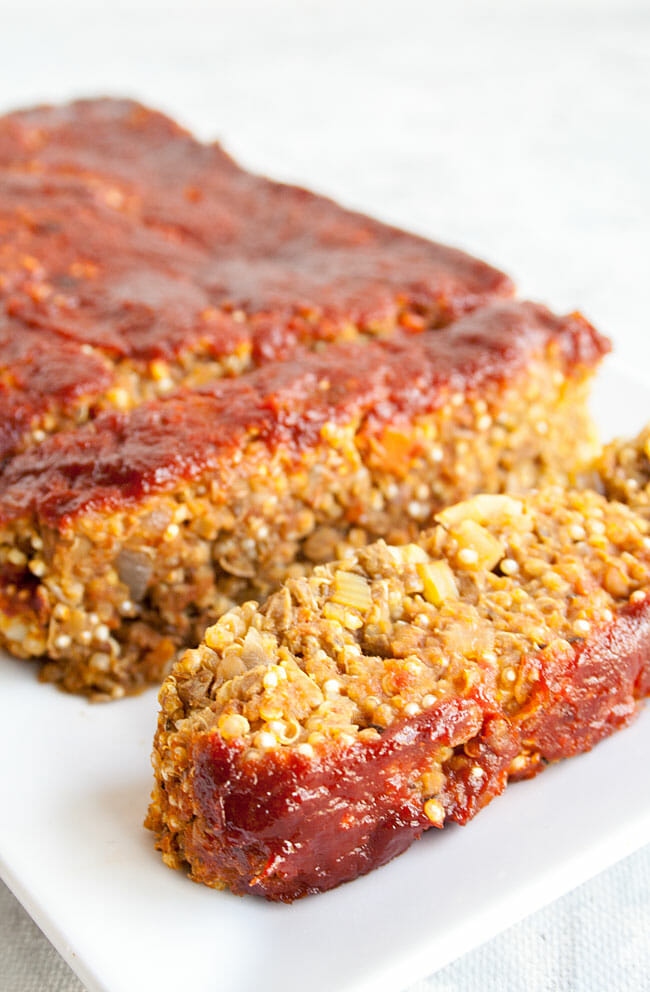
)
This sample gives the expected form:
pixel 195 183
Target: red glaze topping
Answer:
pixel 40 373
pixel 286 825
pixel 122 457
pixel 586 695
pixel 264 245
pixel 120 231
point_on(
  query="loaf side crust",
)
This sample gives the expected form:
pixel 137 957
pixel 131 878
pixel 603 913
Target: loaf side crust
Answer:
pixel 121 540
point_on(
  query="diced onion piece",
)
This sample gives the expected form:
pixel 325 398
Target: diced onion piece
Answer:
pixel 471 537
pixel 252 651
pixel 351 589
pixel 134 569
pixel 438 580
pixel 483 509
pixel 411 553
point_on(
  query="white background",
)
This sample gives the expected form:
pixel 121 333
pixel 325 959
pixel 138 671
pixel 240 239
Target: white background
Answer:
pixel 520 131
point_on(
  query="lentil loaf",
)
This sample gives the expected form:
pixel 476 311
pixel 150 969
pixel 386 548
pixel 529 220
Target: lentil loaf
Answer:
pixel 122 539
pixel 312 739
pixel 144 260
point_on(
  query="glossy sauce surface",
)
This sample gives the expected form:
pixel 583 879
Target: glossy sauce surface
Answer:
pixel 587 695
pixel 122 233
pixel 287 826
pixel 244 240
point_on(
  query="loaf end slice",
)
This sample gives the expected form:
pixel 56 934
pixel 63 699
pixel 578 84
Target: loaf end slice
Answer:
pixel 312 739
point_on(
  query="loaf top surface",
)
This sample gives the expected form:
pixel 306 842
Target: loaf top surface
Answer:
pixel 123 231
pixel 126 244
pixel 125 457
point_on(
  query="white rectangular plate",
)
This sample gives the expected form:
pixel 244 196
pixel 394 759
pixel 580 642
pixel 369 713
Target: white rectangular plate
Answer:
pixel 76 780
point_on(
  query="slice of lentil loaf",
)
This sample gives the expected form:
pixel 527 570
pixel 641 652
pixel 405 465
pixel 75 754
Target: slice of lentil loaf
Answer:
pixel 312 739
pixel 122 539
pixel 149 260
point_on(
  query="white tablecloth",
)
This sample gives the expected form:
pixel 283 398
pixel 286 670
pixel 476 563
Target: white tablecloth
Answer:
pixel 518 130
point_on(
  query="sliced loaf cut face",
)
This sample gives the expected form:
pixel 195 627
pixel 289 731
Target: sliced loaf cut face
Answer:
pixel 313 738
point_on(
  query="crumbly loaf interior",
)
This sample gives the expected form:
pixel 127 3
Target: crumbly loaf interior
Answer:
pixel 110 600
pixel 624 467
pixel 389 631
